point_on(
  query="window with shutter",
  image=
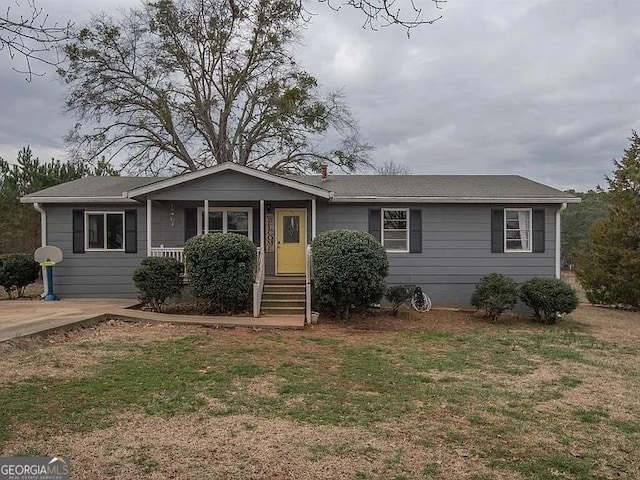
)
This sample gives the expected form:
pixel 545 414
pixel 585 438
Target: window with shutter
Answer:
pixel 104 231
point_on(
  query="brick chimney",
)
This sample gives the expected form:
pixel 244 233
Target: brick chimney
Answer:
pixel 323 172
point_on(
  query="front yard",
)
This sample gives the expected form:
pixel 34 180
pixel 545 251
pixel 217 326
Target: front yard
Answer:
pixel 443 395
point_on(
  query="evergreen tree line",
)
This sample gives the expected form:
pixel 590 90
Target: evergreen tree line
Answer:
pixel 608 264
pixel 20 223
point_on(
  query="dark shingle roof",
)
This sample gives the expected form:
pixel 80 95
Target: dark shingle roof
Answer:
pixel 345 187
pixel 453 186
pixel 95 187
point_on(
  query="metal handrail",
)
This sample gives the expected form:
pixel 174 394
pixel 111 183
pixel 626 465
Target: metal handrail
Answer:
pixel 308 277
pixel 258 283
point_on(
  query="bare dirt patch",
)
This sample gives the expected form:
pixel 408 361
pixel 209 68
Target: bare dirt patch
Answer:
pixel 57 361
pixel 59 354
pixel 609 324
pixel 195 307
pixel 246 447
pixel 380 320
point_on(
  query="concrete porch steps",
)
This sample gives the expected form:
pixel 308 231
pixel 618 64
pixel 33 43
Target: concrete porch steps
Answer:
pixel 283 295
pixel 285 280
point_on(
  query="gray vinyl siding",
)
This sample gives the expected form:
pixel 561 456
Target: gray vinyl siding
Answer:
pixel 92 274
pixel 229 186
pixel 162 231
pixel 456 248
pixel 168 235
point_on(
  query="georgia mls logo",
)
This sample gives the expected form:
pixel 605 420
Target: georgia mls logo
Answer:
pixel 35 468
pixel 58 460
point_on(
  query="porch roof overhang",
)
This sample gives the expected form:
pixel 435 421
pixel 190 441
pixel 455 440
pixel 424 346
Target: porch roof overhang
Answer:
pixel 223 167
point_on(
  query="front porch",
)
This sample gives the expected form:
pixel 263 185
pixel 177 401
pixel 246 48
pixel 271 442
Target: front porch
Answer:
pixel 283 250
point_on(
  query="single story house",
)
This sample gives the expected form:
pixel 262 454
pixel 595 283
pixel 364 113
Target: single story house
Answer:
pixel 441 232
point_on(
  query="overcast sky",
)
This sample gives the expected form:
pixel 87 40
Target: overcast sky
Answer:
pixel 547 89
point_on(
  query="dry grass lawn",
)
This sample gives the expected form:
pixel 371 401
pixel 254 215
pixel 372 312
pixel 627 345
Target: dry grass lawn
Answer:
pixel 440 395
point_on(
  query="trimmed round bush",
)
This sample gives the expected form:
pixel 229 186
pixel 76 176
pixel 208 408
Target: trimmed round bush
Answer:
pixel 548 298
pixel 396 296
pixel 220 267
pixel 157 279
pixel 495 294
pixel 349 271
pixel 17 271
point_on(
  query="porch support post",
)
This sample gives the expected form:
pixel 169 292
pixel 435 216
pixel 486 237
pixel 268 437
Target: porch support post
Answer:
pixel 313 218
pixel 261 223
pixel 206 216
pixel 149 208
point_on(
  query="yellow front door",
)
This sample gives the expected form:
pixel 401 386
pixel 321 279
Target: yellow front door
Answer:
pixel 291 238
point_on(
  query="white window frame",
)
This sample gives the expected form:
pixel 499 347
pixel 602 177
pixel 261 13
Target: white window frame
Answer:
pixel 382 211
pixel 224 211
pixel 504 230
pixel 104 213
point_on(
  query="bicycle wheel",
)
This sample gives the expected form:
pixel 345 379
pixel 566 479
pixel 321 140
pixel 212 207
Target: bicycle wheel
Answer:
pixel 421 302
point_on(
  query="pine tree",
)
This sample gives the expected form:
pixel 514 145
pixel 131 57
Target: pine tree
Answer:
pixel 609 266
pixel 20 232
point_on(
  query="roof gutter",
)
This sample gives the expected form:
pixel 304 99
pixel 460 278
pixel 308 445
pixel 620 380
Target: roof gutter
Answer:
pixel 43 223
pixel 510 200
pixel 119 199
pixel 43 242
pixel 559 238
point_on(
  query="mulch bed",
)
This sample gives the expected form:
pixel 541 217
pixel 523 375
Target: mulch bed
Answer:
pixel 192 308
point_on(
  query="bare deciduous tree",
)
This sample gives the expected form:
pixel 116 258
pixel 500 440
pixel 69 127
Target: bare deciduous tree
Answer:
pixel 383 13
pixel 389 167
pixel 186 84
pixel 27 33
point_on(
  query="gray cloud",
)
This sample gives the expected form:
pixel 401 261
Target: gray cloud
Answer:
pixel 541 88
pixel 544 89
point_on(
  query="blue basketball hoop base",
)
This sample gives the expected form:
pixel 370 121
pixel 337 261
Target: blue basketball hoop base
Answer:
pixel 49 268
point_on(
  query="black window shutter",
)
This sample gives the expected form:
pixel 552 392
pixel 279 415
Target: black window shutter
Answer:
pixel 190 223
pixel 415 233
pixel 375 223
pixel 497 230
pixel 78 231
pixel 538 230
pixel 131 231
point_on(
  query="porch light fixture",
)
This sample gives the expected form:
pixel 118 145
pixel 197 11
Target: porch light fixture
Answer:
pixel 268 207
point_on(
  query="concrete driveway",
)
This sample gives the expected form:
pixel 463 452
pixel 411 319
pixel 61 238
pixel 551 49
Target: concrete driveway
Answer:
pixel 20 318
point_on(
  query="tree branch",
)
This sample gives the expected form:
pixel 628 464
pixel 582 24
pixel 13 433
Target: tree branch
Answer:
pixel 30 35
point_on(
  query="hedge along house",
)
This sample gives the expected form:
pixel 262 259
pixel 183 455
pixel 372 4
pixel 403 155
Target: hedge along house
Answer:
pixel 441 232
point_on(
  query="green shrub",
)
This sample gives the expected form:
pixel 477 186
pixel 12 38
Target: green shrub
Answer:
pixel 158 279
pixel 495 294
pixel 17 271
pixel 349 270
pixel 220 267
pixel 396 296
pixel 548 297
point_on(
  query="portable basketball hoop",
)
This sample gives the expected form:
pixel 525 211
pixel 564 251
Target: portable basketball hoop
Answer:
pixel 48 257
